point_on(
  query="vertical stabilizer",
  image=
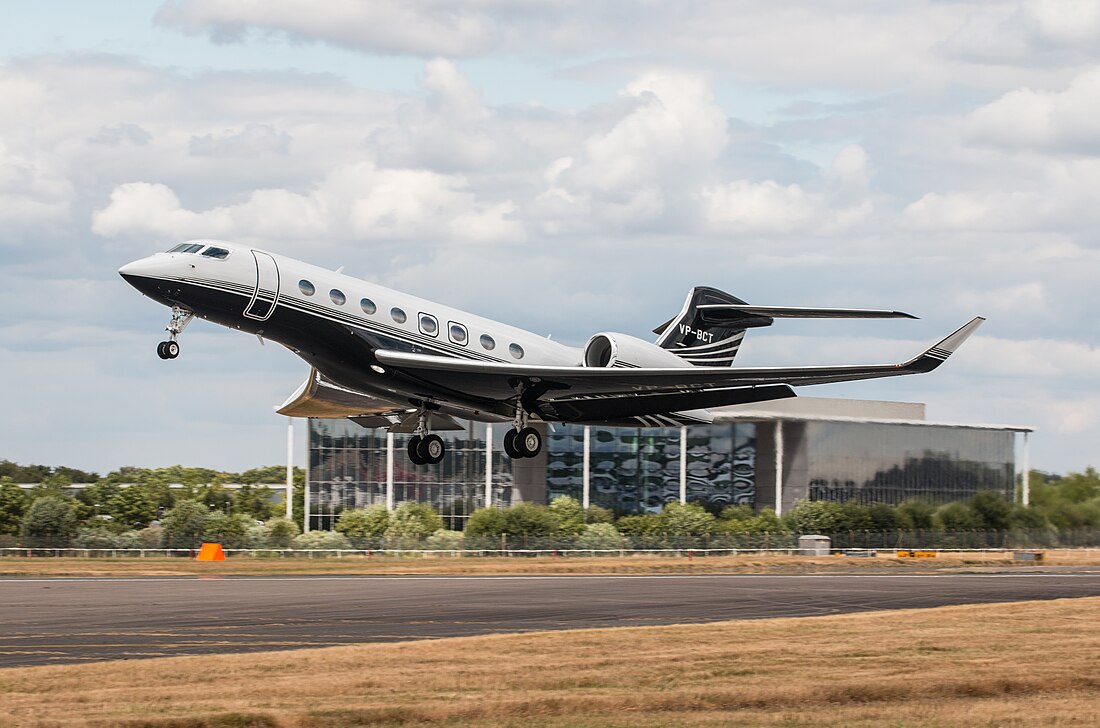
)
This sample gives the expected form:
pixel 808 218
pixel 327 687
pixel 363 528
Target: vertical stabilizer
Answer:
pixel 708 337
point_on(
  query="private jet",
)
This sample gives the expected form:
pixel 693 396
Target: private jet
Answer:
pixel 384 358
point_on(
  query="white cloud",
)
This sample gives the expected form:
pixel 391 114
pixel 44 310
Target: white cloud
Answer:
pixel 1064 121
pixel 354 201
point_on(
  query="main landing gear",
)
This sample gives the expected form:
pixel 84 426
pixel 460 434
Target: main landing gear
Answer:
pixel 424 447
pixel 522 441
pixel 180 318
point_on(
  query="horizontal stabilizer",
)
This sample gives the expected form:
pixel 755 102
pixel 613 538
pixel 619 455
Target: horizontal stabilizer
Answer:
pixel 713 311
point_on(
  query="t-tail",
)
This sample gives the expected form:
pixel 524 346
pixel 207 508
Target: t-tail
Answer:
pixel 709 329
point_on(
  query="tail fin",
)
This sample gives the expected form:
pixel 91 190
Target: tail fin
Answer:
pixel 709 329
pixel 705 337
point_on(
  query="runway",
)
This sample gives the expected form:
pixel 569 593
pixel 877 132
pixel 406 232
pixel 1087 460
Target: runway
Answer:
pixel 52 621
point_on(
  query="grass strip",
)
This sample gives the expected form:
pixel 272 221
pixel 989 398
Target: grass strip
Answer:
pixel 1025 663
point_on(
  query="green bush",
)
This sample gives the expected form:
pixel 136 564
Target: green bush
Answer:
pixel 529 521
pixel 369 522
pixel 444 540
pixel 321 540
pixel 410 523
pixel 815 517
pixel 686 524
pixel 598 514
pixel 600 536
pixel 281 532
pixel 644 530
pixel 486 522
pixel 95 538
pixel 568 517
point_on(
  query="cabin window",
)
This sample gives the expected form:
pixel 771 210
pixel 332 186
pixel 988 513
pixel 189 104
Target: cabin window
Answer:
pixel 428 325
pixel 368 306
pixel 516 351
pixel 217 253
pixel 398 315
pixel 337 297
pixel 457 332
pixel 307 288
pixel 487 342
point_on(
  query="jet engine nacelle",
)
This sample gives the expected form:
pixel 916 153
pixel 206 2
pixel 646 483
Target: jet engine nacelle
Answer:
pixel 621 350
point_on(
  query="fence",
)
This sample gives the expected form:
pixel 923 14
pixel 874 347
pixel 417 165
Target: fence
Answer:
pixel 519 545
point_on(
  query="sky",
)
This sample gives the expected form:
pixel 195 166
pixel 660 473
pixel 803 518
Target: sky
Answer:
pixel 567 167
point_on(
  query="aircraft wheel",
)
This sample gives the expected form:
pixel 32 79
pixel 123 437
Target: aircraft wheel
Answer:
pixel 160 350
pixel 414 450
pixel 528 442
pixel 510 445
pixel 431 449
pixel 172 349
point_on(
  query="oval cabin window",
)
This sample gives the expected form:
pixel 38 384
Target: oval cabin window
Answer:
pixel 368 306
pixel 337 297
pixel 487 342
pixel 307 288
pixel 516 351
pixel 398 315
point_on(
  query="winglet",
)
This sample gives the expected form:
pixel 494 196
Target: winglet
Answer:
pixel 938 353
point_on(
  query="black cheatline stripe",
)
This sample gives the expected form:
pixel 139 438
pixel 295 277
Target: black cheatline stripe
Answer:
pixel 702 347
pixel 322 312
pixel 381 328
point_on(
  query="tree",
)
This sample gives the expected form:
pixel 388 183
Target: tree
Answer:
pixel 915 514
pixel 281 532
pixel 133 507
pixel 253 501
pixel 855 517
pixel 369 522
pixel 50 521
pixel 957 517
pixel 13 505
pixel 183 525
pixel 485 522
pixel 598 514
pixel 231 531
pixel 643 530
pixel 993 512
pixel 883 517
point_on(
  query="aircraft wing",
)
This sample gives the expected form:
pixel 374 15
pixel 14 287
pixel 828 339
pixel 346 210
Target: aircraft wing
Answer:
pixel 679 388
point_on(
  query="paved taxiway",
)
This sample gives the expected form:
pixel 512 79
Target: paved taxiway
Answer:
pixel 46 621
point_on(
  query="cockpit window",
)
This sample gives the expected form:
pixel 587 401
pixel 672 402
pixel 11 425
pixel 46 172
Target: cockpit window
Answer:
pixel 212 252
pixel 187 248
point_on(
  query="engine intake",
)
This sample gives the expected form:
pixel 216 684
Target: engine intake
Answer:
pixel 607 350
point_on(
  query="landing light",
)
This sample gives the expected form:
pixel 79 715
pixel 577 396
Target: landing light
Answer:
pixel 378 369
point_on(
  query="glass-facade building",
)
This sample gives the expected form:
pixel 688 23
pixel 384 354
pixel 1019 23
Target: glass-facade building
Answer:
pixel 737 460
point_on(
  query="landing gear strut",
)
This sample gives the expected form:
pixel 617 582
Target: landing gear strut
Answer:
pixel 522 441
pixel 424 447
pixel 180 318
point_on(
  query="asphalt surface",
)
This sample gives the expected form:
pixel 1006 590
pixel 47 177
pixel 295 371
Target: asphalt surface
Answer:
pixel 59 620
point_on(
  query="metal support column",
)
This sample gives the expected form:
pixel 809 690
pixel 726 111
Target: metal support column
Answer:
pixel 585 482
pixel 489 465
pixel 290 467
pixel 1025 476
pixel 779 467
pixel 389 471
pixel 683 465
pixel 306 504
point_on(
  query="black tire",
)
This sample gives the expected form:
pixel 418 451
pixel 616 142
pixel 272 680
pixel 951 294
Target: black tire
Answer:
pixel 431 449
pixel 510 445
pixel 528 442
pixel 414 450
pixel 172 349
pixel 161 350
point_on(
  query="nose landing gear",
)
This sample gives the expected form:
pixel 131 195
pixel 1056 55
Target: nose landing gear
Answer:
pixel 180 318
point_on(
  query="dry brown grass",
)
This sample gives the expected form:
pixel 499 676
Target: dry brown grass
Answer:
pixel 640 564
pixel 1030 663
